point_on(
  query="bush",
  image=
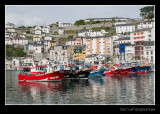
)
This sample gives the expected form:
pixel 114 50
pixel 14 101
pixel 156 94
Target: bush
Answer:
pixel 14 52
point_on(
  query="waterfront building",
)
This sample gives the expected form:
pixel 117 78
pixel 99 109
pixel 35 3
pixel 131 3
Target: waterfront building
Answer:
pixel 95 59
pixel 129 52
pixel 125 28
pixel 79 53
pixel 149 51
pixel 99 45
pixel 60 53
pixel 142 35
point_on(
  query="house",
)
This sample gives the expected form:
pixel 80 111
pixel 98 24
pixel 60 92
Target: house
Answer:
pixel 36 47
pixel 48 38
pixel 149 51
pixel 52 43
pixel 9 25
pixel 60 30
pixel 19 41
pixel 125 28
pixel 145 24
pixel 122 40
pixel 129 52
pixel 37 34
pixel 102 45
pixel 141 35
pixel 79 53
pixel 61 24
pixel 85 33
pixel 95 59
pixel 46 29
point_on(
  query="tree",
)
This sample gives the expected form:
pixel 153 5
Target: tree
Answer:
pixel 147 12
pixel 80 22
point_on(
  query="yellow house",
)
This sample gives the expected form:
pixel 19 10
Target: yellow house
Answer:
pixel 79 53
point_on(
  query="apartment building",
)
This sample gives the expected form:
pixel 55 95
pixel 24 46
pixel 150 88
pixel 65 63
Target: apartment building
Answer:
pixel 123 28
pixel 141 35
pixel 100 45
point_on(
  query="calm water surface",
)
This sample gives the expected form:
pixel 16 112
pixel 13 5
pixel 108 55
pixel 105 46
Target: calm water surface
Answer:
pixel 125 89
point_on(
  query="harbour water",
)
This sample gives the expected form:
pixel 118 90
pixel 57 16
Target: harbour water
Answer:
pixel 108 90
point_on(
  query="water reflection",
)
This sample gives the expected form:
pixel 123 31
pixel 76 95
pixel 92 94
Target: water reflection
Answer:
pixel 110 89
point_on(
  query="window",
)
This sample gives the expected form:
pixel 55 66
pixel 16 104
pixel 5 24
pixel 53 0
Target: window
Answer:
pixel 147 53
pixel 141 32
pixel 141 37
pixel 151 52
pixel 138 33
pixel 134 33
pixel 134 37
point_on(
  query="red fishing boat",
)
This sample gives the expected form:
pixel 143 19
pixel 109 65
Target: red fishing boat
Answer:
pixel 118 71
pixel 38 73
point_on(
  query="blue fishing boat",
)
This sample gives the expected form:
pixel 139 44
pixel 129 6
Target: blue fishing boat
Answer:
pixel 96 73
pixel 140 69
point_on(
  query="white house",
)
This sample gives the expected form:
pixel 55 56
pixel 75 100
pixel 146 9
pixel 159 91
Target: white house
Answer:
pixel 123 28
pixel 37 48
pixel 38 30
pixel 9 25
pixel 60 53
pixel 61 24
pixel 149 51
pixel 146 24
pixel 129 52
pixel 94 59
pixel 122 40
pixel 92 33
pixel 60 30
pixel 46 29
pixel 20 41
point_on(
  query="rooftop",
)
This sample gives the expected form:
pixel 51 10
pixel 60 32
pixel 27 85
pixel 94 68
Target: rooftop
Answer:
pixel 123 38
pixel 132 24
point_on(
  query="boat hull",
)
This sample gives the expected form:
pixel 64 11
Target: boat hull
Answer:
pixel 79 75
pixel 118 71
pixel 97 73
pixel 55 76
pixel 140 70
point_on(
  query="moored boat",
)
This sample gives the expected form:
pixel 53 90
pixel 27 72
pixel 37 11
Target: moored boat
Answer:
pixel 118 71
pixel 96 73
pixel 38 73
pixel 73 74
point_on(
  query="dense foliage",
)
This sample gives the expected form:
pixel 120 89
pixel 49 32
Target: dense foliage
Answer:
pixel 147 12
pixel 14 51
